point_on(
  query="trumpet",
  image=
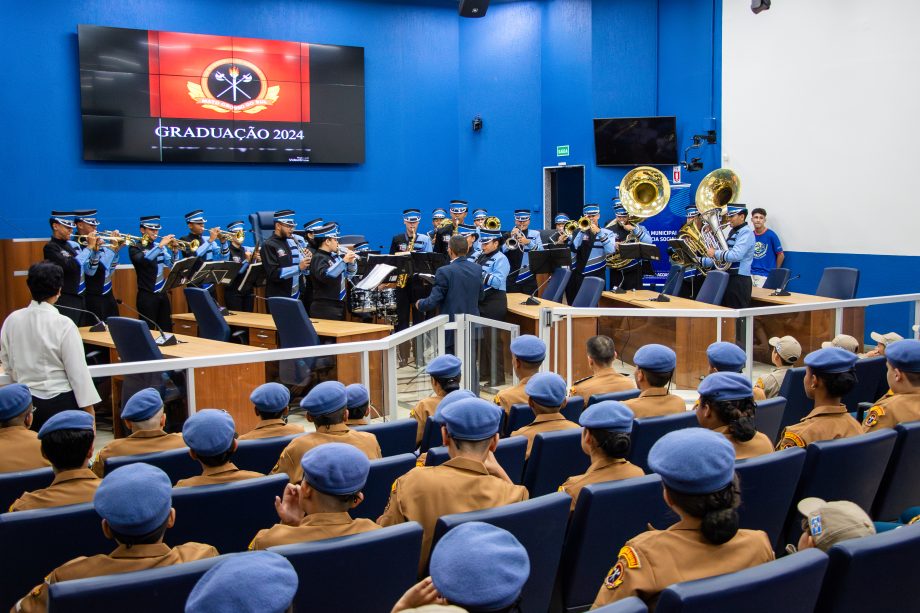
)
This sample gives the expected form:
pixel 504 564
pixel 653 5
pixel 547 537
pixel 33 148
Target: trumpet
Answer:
pixel 184 245
pixel 492 224
pixel 237 236
pixel 343 251
pixel 570 228
pixel 584 224
pixel 124 239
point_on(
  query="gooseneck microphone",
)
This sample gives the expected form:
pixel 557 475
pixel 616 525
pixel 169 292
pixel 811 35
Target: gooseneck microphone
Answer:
pixel 781 291
pixel 99 326
pixel 165 340
pixel 532 299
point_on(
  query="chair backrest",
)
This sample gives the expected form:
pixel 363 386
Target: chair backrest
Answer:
pixel 632 604
pixel 294 326
pixel 648 430
pixel 509 454
pixel 870 372
pixel 777 278
pixel 674 281
pixel 620 396
pixel 889 559
pixel 840 283
pixel 555 287
pixel 351 239
pixel 176 463
pixel 133 340
pixel 798 405
pixel 900 486
pixel 211 324
pixel 38 534
pixel 14 485
pixel 379 482
pixel 163 589
pixel 394 437
pixel 768 483
pixel 554 457
pixel 760 589
pixel 768 417
pixel 573 408
pixel 384 561
pixel 431 433
pixel 261 454
pixel 519 416
pixel 605 517
pixel 262 224
pixel 226 515
pixel 539 524
pixel 589 294
pixel 713 288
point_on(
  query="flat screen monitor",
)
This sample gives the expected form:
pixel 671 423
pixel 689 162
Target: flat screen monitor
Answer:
pixel 635 141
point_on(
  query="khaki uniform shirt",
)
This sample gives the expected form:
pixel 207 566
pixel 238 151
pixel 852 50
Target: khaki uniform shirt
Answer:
pixel 548 422
pixel 69 487
pixel 225 473
pixel 142 441
pixel 289 462
pixel 822 424
pixel 364 421
pixel 425 493
pixel 602 383
pixel 270 428
pixel 654 402
pixel 425 408
pixel 770 383
pixel 600 472
pixel 654 560
pixel 20 449
pixel 314 527
pixel 513 395
pixel 123 560
pixel 889 411
pixel 759 445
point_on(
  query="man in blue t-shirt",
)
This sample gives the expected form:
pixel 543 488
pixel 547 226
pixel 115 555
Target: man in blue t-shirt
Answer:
pixel 768 251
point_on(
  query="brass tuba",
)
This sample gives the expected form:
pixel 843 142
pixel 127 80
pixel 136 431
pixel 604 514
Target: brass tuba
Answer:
pixel 718 189
pixel 644 192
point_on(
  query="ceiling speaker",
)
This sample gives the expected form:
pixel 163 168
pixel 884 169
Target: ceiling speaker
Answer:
pixel 473 8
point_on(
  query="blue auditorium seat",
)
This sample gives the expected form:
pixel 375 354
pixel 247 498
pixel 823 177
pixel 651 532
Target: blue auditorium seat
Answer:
pixel 840 283
pixel 539 524
pixel 790 584
pixel 134 343
pixel 431 433
pixel 509 453
pixel 573 408
pixel 713 289
pixel 619 396
pixel 262 224
pixel 874 573
pixel 144 591
pixel 900 486
pixel 176 463
pixel 361 573
pixel 627 605
pixel 648 430
pixel 519 416
pixel 589 294
pixel 777 278
pixel 605 517
pixel 768 484
pixel 260 454
pixel 394 437
pixel 554 457
pixel 15 484
pixel 674 281
pixel 211 324
pixel 768 416
pixel 377 491
pixel 870 373
pixel 295 330
pixel 555 287
pixel 225 515
pixel 798 405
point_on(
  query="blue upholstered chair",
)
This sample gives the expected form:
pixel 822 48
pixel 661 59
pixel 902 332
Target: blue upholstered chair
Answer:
pixel 798 405
pixel 870 374
pixel 777 278
pixel 839 283
pixel 262 224
pixel 768 484
pixel 261 454
pixel 554 457
pixel 900 487
pixel 627 605
pixel 134 343
pixel 15 484
pixel 395 437
pixel 648 430
pixel 431 433
pixel 674 281
pixel 768 416
pixel 620 396
pixel 509 454
pixel 519 416
pixel 379 482
pixel 713 288
pixel 176 463
pixel 555 287
pixel 573 408
pixel 211 324
pixel 295 330
pixel 589 294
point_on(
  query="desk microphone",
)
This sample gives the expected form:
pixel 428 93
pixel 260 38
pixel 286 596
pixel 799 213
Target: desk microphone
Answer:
pixel 782 290
pixel 531 300
pixel 99 326
pixel 165 340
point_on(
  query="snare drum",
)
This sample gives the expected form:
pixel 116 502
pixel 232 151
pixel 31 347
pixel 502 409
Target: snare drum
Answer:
pixel 361 301
pixel 385 300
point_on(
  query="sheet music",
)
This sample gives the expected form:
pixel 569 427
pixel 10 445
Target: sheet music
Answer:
pixel 375 277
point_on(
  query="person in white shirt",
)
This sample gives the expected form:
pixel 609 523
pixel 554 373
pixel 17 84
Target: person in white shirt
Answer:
pixel 42 349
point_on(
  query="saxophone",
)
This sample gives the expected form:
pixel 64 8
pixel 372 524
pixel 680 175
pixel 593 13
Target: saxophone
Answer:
pixel 403 279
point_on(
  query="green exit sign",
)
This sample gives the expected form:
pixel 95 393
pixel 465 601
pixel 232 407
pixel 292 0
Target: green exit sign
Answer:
pixel 562 151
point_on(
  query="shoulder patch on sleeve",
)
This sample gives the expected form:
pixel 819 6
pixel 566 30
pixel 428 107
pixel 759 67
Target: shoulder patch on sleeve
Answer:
pixel 630 556
pixel 252 544
pixel 759 382
pixel 791 439
pixel 873 415
pixel 393 487
pixel 496 399
pixel 572 391
pixel 615 577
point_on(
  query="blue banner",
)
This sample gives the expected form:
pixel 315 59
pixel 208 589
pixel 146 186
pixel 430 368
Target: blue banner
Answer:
pixel 664 226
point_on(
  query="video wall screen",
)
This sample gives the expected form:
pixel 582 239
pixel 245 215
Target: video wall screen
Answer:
pixel 150 96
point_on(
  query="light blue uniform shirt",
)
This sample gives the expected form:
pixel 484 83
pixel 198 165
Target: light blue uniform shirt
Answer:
pixel 740 252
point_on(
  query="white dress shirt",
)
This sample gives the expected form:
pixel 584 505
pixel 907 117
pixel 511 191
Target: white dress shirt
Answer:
pixel 42 349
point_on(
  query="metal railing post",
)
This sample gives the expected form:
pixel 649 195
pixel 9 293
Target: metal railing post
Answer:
pixel 391 398
pixel 190 390
pixel 838 321
pixel 749 344
pixel 365 368
pixel 568 350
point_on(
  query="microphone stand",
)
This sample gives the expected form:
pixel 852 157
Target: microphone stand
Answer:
pixel 782 290
pixel 99 326
pixel 165 340
pixel 531 300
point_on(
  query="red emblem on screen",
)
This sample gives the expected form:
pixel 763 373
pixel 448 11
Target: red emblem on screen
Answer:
pixel 233 85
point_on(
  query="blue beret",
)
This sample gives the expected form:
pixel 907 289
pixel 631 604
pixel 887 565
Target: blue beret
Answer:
pixel 904 355
pixel 444 366
pixel 270 397
pixel 356 395
pixel 547 389
pixel 142 405
pixel 209 432
pixel 480 566
pixel 67 420
pixel 250 582
pixel 336 468
pixel 528 348
pixel 14 400
pixel 693 460
pixel 655 358
pixel 726 356
pixel 135 499
pixel 608 415
pixel 831 360
pixel 470 419
pixel 726 386
pixel 453 397
pixel 325 397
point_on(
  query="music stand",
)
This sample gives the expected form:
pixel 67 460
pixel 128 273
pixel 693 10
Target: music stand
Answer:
pixel 219 273
pixel 402 264
pixel 547 261
pixel 252 278
pixel 426 264
pixel 180 274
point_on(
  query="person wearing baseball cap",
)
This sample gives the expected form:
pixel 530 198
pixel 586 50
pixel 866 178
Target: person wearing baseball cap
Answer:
pixel 903 374
pixel 883 342
pixel 729 357
pixel 829 376
pixel 444 375
pixel 844 341
pixel 527 353
pixel 546 396
pixel 655 366
pixel 211 438
pixel 270 402
pixel 20 445
pixel 727 406
pixel 786 352
pixel 824 524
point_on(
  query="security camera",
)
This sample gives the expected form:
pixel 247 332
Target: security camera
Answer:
pixel 760 5
pixel 477 123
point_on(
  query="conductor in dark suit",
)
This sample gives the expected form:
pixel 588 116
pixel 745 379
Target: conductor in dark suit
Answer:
pixel 456 286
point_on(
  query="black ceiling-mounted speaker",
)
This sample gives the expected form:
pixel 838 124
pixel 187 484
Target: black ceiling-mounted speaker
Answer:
pixel 473 8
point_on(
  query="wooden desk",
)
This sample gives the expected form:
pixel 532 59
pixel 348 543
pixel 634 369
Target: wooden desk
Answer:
pixel 219 387
pixel 687 336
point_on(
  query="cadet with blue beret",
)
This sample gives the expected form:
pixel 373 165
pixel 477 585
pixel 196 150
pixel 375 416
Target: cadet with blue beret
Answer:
pixel 903 362
pixel 211 438
pixel 546 396
pixel 317 508
pixel 726 406
pixel 444 371
pixel 252 582
pixel 527 355
pixel 327 406
pixel 697 469
pixel 655 366
pixel 135 504
pixel 67 442
pixel 829 376
pixel 469 481
pixel 606 439
pixel 729 357
pixel 21 449
pixel 271 405
pixel 359 405
pixel 144 416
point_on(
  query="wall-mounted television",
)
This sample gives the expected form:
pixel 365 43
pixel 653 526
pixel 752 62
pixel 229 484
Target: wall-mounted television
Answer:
pixel 152 96
pixel 635 141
